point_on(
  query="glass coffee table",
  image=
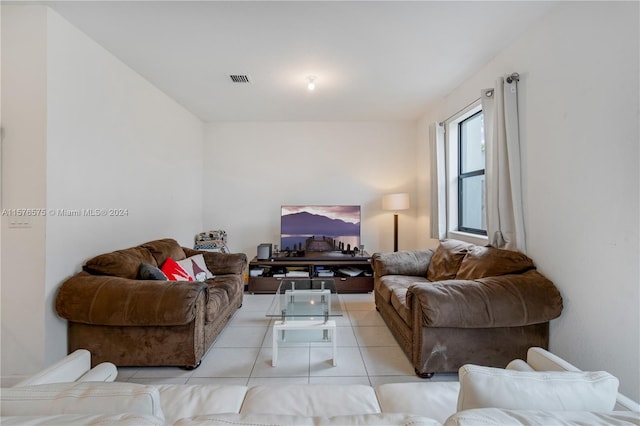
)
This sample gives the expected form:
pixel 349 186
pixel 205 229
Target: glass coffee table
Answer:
pixel 305 304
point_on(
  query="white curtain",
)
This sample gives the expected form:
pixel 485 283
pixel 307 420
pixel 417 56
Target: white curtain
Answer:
pixel 438 182
pixel 505 220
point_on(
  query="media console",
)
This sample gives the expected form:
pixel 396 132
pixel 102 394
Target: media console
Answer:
pixel 351 273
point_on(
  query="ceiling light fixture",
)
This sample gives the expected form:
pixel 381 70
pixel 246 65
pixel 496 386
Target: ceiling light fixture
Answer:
pixel 311 85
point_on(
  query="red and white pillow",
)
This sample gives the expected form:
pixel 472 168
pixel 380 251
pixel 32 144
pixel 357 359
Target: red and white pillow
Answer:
pixel 190 269
pixel 196 267
pixel 174 271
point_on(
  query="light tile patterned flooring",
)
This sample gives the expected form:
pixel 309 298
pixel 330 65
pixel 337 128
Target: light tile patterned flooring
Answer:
pixel 367 352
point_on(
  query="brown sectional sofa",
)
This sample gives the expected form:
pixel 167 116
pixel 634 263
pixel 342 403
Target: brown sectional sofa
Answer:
pixel 132 322
pixel 462 303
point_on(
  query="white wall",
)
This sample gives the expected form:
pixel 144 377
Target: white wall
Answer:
pixel 251 169
pixel 113 141
pixel 578 105
pixel 23 185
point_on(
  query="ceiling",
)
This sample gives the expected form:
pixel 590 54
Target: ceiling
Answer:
pixel 374 60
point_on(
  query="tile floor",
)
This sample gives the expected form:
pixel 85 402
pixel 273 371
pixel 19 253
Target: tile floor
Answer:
pixel 367 352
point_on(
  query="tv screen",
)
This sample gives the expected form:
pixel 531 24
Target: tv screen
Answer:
pixel 319 228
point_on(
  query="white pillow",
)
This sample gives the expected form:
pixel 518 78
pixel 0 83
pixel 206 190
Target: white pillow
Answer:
pixel 195 266
pixel 81 398
pixel 486 387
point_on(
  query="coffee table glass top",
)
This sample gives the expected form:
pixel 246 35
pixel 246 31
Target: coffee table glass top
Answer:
pixel 306 298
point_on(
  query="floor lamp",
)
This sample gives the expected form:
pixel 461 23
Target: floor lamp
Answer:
pixel 395 203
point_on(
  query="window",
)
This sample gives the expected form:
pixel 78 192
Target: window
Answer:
pixel 471 182
pixel 465 153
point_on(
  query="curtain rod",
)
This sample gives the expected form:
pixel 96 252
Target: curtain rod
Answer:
pixel 510 79
pixel 513 77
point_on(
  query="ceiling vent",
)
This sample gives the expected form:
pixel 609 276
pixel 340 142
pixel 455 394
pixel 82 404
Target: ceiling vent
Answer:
pixel 239 78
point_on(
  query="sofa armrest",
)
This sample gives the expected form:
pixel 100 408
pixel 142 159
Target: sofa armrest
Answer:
pixel 504 301
pixel 116 301
pixel 68 369
pixel 75 367
pixel 408 262
pixel 221 263
pixel 81 398
pixel 122 419
pixel 103 372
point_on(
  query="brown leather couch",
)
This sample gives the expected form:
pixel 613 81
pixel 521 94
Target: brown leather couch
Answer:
pixel 133 322
pixel 462 303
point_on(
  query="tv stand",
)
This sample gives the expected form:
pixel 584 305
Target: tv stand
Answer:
pixel 351 271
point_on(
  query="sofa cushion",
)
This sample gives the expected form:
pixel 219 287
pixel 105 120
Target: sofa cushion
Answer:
pixel 398 419
pixel 162 249
pixel 486 387
pixel 480 262
pixel 386 284
pixel 174 271
pixel 305 400
pixel 436 400
pixel 150 272
pixel 218 300
pixel 446 260
pixel 183 401
pixel 231 284
pixel 81 398
pixel 399 303
pixel 120 263
pixel 501 417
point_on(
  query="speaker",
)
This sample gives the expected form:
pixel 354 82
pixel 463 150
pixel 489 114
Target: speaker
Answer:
pixel 264 251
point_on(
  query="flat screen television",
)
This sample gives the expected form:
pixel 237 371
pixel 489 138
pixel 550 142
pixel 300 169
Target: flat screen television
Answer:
pixel 319 228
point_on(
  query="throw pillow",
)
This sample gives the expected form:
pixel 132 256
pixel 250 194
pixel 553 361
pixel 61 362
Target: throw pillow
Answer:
pixel 175 272
pixel 481 262
pixel 196 267
pixel 150 272
pixel 485 387
pixel 446 260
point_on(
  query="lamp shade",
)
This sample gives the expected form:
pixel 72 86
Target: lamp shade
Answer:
pixel 395 202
